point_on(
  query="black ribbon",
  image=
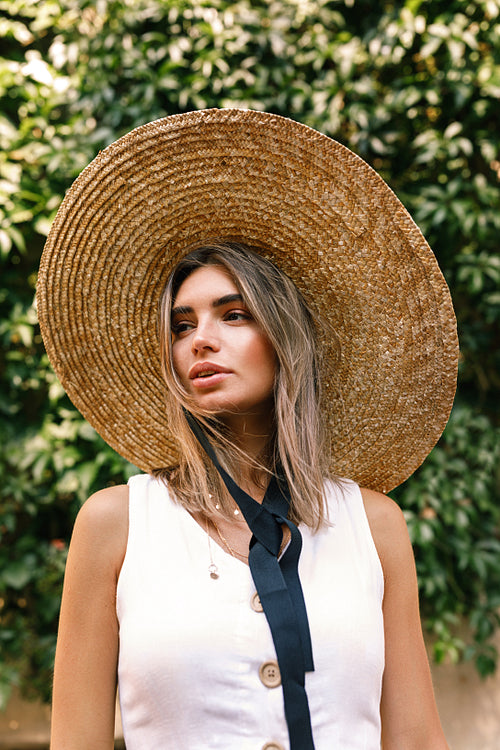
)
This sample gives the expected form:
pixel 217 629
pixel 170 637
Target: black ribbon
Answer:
pixel 279 589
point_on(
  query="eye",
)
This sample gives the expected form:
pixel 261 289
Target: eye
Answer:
pixel 180 327
pixel 237 315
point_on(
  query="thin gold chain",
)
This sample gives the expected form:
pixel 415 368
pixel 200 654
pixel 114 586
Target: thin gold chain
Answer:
pixel 234 553
pixel 231 551
pixel 212 568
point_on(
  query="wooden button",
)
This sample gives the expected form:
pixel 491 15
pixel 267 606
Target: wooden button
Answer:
pixel 273 746
pixel 255 603
pixel 269 674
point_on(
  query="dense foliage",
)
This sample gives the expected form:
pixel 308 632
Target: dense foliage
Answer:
pixel 412 86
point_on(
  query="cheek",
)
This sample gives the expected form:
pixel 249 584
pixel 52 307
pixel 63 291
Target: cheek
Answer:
pixel 264 357
pixel 179 361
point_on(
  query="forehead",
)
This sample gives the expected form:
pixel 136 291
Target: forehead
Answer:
pixel 211 281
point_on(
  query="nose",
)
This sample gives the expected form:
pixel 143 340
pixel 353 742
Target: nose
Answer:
pixel 205 336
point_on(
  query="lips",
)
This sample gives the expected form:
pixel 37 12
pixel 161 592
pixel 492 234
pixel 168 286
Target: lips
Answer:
pixel 206 370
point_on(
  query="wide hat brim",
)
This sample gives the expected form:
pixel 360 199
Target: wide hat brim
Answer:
pixel 313 207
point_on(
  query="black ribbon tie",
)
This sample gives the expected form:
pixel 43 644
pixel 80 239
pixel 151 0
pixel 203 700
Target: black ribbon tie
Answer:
pixel 278 586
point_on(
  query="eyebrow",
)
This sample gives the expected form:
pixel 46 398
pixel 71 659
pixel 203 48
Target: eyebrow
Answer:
pixel 225 300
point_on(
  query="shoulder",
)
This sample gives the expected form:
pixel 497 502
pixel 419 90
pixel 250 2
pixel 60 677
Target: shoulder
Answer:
pixel 382 512
pixel 105 510
pixel 388 528
pixel 101 527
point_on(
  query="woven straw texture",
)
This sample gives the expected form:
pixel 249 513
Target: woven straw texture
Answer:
pixel 314 208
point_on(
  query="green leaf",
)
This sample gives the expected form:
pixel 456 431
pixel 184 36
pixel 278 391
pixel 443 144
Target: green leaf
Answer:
pixel 17 574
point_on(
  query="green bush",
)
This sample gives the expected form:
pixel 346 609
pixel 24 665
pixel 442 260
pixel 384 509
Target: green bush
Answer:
pixel 411 86
pixel 453 515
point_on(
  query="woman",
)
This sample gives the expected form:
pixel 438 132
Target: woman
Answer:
pixel 227 626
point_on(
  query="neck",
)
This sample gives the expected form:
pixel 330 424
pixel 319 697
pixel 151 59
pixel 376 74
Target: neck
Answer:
pixel 251 434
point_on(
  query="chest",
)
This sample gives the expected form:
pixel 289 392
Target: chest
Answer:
pixel 168 597
pixel 192 648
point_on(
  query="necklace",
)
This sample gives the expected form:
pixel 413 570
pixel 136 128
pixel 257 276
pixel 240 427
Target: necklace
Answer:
pixel 212 568
pixel 236 511
pixel 224 541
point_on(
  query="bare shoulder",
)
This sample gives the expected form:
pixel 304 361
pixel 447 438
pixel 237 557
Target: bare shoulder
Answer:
pixel 107 505
pixel 388 527
pixel 101 527
pixel 382 512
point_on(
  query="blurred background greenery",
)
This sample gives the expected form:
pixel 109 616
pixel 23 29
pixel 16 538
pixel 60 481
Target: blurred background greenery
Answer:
pixel 413 87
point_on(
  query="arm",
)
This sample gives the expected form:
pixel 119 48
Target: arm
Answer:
pixel 410 719
pixel 84 693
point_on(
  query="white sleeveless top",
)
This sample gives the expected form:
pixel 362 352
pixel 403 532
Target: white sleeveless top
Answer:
pixel 191 647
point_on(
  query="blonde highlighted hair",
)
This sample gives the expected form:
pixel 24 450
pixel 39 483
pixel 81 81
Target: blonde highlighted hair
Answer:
pixel 296 445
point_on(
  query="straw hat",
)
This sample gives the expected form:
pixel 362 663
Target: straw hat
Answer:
pixel 315 209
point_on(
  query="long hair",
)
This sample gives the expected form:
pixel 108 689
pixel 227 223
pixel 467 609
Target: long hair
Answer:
pixel 296 445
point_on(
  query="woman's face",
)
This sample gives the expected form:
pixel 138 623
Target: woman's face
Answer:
pixel 222 357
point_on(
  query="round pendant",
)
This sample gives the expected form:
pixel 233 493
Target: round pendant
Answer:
pixel 213 570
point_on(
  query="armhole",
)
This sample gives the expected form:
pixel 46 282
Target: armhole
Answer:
pixel 371 546
pixel 131 526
